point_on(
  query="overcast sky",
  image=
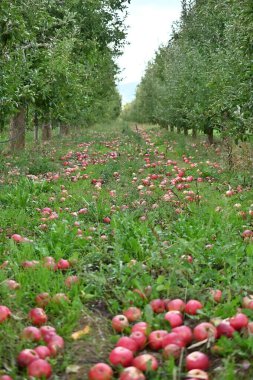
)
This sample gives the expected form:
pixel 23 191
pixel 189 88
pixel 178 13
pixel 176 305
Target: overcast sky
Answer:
pixel 149 24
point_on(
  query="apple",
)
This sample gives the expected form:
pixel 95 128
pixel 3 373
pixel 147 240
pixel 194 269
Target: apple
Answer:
pixel 43 352
pixel 42 299
pixel 141 326
pixel 31 333
pixel 216 294
pixel 185 333
pixel 197 360
pixel 247 302
pixel 37 316
pixel 127 342
pixel 5 377
pixel 173 338
pixel 119 323
pixel 239 321
pixel 47 330
pixel 131 373
pixel 100 371
pixel 205 330
pixel 174 318
pixel 132 313
pixel 63 264
pixel 140 338
pixel 176 304
pixel 172 350
pixel 55 345
pixel 60 298
pixel 197 374
pixel 224 328
pixel 5 313
pixel 121 356
pixel 71 280
pixel 17 238
pixel 155 339
pixel 12 284
pixel 158 306
pixel 40 369
pixel 26 356
pixel 192 307
pixel 145 362
pixel 49 262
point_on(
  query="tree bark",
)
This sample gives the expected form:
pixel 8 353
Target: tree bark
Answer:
pixel 194 133
pixel 64 130
pixel 210 135
pixel 185 131
pixel 46 132
pixel 178 130
pixel 17 130
pixel 172 128
pixel 36 127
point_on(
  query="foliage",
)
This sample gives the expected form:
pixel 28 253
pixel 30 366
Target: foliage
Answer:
pixel 202 79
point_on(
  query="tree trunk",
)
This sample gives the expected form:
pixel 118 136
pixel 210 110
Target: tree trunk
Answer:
pixel 194 133
pixel 210 135
pixel 172 128
pixel 1 124
pixel 36 127
pixel 178 130
pixel 17 130
pixel 64 130
pixel 46 132
pixel 185 131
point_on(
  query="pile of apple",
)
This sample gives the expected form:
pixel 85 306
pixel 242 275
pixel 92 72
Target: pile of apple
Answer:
pixel 172 342
pixel 35 361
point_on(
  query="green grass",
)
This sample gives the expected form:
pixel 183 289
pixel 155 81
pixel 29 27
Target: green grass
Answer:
pixel 155 233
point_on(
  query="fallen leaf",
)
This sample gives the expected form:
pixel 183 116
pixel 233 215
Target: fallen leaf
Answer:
pixel 79 334
pixel 73 368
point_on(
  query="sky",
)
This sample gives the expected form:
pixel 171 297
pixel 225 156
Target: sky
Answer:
pixel 149 25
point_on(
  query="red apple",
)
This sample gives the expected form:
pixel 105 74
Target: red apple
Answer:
pixel 63 264
pixel 197 374
pixel 60 298
pixel 100 371
pixel 121 356
pixel 185 333
pixel 158 306
pixel 176 304
pixel 173 338
pixel 204 330
pixel 26 356
pixel 119 323
pixel 145 362
pixel 139 338
pixel 141 326
pixel 172 350
pixel 39 369
pixel 42 299
pixel 37 316
pixel 5 377
pixel 71 280
pixel 127 342
pixel 43 352
pixel 155 339
pixel 55 345
pixel 239 321
pixel 131 373
pixel 47 330
pixel 216 294
pixel 31 333
pixel 197 360
pixel 5 313
pixel 174 318
pixel 224 328
pixel 192 307
pixel 132 313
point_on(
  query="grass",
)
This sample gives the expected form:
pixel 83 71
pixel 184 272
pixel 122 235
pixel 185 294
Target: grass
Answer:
pixel 146 243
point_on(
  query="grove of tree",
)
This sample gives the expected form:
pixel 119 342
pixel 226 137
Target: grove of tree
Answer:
pixel 57 64
pixel 201 80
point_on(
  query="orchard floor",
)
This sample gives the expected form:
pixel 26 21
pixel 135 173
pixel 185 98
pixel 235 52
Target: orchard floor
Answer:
pixel 134 211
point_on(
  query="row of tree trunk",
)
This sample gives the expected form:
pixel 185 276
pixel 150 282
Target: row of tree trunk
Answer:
pixel 18 128
pixel 208 132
